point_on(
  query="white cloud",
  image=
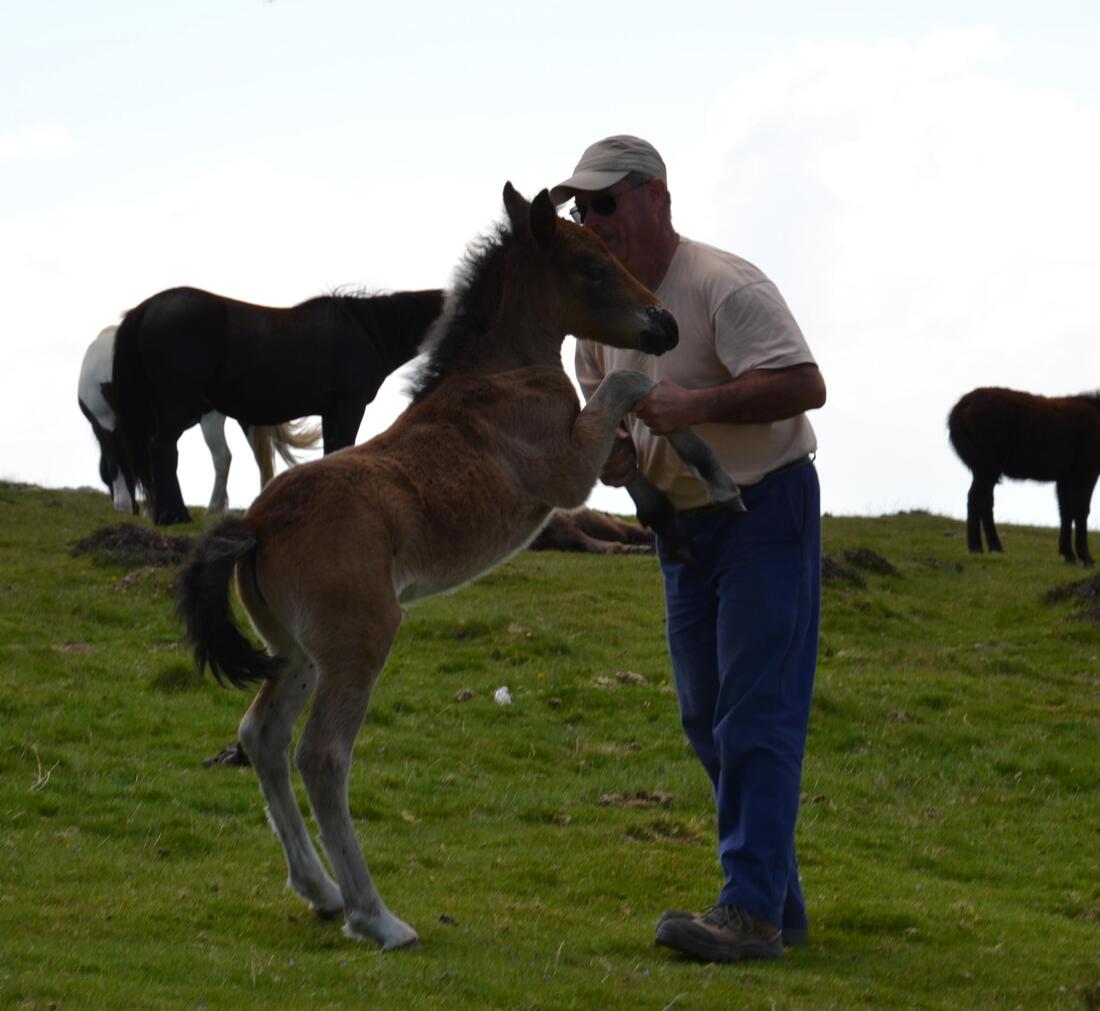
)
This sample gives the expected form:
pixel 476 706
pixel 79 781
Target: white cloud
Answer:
pixel 932 223
pixel 36 142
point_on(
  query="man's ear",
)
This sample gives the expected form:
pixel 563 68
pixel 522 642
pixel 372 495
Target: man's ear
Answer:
pixel 544 219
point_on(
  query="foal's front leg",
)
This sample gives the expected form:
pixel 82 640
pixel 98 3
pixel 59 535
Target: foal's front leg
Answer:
pixel 616 396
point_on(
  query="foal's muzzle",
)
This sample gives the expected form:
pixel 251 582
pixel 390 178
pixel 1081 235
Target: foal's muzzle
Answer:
pixel 661 333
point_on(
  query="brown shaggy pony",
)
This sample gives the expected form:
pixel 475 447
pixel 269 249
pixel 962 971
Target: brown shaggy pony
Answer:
pixel 1020 435
pixel 332 551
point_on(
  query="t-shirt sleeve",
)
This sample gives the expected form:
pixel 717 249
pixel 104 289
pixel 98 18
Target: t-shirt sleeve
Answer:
pixel 754 329
pixel 589 370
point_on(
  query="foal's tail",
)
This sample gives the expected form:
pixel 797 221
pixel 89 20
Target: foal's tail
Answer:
pixel 202 603
pixel 133 410
pixel 267 440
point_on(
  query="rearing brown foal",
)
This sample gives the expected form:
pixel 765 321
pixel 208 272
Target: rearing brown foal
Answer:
pixel 331 551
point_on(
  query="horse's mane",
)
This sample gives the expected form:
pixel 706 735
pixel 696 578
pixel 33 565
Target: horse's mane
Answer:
pixel 339 301
pixel 470 307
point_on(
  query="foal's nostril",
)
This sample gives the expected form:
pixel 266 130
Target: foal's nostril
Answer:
pixel 663 333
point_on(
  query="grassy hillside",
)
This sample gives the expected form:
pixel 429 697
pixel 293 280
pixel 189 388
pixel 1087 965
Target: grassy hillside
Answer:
pixel 950 831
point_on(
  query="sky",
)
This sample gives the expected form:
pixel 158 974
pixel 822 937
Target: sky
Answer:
pixel 920 181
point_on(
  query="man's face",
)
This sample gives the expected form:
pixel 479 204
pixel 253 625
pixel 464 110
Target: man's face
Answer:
pixel 626 216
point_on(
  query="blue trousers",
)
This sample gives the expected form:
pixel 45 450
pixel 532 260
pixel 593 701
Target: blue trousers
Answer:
pixel 742 635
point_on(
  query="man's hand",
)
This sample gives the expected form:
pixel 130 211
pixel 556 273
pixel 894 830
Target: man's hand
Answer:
pixel 667 408
pixel 622 462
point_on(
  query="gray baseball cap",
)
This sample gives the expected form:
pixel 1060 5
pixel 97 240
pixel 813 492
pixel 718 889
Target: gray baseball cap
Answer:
pixel 606 162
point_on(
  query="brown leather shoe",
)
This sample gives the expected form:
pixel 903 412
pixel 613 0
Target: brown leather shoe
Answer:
pixel 793 937
pixel 722 934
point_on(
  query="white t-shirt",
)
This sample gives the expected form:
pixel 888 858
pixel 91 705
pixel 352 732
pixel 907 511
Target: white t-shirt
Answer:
pixel 732 320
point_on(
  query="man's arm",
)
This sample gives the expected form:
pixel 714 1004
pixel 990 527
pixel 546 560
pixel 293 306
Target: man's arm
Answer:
pixel 756 397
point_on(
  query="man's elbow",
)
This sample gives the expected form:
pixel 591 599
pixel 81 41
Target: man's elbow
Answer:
pixel 815 390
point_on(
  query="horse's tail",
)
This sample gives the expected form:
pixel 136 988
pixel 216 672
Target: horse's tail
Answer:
pixel 282 439
pixel 960 431
pixel 202 604
pixel 132 404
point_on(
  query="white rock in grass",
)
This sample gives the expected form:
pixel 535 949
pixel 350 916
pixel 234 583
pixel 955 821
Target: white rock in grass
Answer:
pixel 502 697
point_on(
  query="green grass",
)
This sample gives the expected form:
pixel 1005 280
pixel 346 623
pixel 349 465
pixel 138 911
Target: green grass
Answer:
pixel 950 829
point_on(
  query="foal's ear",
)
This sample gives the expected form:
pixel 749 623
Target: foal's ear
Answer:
pixel 518 209
pixel 544 218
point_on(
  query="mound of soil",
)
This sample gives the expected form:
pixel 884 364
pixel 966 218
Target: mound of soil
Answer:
pixel 871 561
pixel 833 572
pixel 130 544
pixel 1080 591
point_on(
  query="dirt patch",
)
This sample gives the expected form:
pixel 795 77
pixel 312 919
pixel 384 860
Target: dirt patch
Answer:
pixel 870 561
pixel 1084 592
pixel 847 568
pixel 1080 591
pixel 130 544
pixel 834 572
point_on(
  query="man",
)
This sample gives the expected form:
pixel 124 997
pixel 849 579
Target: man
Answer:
pixel 743 618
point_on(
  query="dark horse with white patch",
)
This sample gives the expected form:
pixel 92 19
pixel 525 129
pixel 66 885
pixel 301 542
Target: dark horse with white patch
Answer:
pixel 96 399
pixel 184 352
pixel 1021 435
pixel 331 552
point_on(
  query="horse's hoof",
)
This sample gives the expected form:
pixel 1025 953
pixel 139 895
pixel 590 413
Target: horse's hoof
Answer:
pixel 385 929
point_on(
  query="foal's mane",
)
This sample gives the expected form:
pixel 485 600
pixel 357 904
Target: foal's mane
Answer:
pixel 468 312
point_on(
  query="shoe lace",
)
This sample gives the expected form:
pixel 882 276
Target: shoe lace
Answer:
pixel 726 917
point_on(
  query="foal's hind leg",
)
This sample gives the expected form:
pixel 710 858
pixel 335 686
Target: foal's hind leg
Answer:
pixel 265 734
pixel 349 658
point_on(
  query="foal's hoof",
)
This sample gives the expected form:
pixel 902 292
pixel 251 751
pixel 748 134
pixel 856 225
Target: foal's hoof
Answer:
pixel 733 504
pixel 384 928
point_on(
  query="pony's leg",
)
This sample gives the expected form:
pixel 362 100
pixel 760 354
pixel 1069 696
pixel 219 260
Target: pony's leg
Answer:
pixel 702 462
pixel 1075 503
pixel 340 426
pixel 260 439
pixel 167 496
pixel 349 658
pixel 974 516
pixel 992 539
pixel 110 470
pixel 1082 521
pixel 1066 509
pixel 979 515
pixel 213 431
pixel 265 734
pixel 616 395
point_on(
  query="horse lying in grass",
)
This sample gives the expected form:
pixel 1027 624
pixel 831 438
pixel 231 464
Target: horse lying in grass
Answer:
pixel 1020 435
pixel 96 398
pixel 331 552
pixel 592 532
pixel 185 352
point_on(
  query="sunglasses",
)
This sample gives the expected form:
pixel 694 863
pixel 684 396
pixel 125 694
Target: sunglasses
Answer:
pixel 604 204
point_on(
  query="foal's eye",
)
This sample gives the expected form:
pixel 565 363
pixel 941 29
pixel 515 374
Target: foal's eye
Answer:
pixel 592 270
